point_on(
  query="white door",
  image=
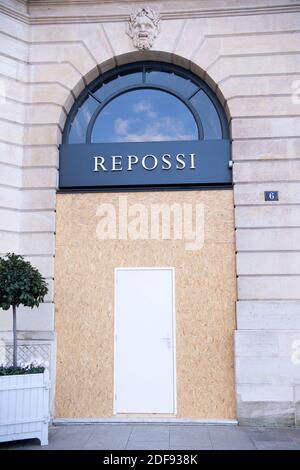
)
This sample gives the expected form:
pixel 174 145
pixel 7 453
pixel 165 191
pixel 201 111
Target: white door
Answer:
pixel 144 341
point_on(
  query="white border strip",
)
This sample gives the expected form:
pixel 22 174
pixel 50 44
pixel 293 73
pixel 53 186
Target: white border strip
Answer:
pixel 168 421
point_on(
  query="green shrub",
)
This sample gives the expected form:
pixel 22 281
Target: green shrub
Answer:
pixel 20 284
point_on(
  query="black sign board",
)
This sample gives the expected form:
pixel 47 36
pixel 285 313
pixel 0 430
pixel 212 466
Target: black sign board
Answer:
pixel 144 164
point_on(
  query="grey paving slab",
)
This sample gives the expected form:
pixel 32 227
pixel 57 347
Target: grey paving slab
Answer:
pixel 192 447
pixel 277 445
pixel 111 445
pixel 108 437
pixel 230 438
pixel 154 445
pixel 60 438
pixel 73 437
pixel 269 434
pixel 150 433
pixel 162 437
pixel 149 437
pixel 296 437
pixel 190 437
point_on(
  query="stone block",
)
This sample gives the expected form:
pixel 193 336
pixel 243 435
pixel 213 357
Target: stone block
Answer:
pixel 242 24
pixel 166 41
pixel 98 45
pixel 10 197
pixel 10 26
pixel 256 413
pixel 74 53
pixel 38 199
pixel 12 111
pixel 13 47
pixel 207 53
pixel 49 297
pixel 268 315
pixel 297 393
pixel 37 243
pixel 45 264
pixel 41 156
pixel 261 44
pixel 11 154
pixel 47 134
pixel 264 239
pixel 253 193
pixel 40 178
pixel 11 132
pixel 12 69
pixel 63 73
pixel 268 343
pixel 267 370
pixel 244 128
pixel 268 263
pixel 268 287
pixel 50 93
pixel 9 242
pixel 10 88
pixel 268 149
pixel 190 38
pixel 45 113
pixel 266 171
pixel 264 393
pixel 119 41
pixel 267 216
pixel 10 175
pixel 263 64
pixel 9 220
pixel 261 106
pixel 263 86
pixel 256 343
pixel 37 221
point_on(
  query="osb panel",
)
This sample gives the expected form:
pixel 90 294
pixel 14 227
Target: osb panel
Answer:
pixel 84 296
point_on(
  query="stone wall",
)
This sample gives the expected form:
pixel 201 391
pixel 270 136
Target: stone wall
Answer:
pixel 248 51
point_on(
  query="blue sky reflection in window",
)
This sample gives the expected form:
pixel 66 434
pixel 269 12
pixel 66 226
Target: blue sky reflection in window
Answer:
pixel 146 102
pixel 144 115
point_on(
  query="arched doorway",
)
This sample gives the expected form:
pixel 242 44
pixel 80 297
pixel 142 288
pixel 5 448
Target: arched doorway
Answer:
pixel 135 135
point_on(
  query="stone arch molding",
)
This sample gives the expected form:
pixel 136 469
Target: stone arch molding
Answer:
pixel 136 56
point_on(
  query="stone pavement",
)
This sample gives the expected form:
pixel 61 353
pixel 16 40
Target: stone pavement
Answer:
pixel 163 437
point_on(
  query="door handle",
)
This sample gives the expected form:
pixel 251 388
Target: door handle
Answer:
pixel 168 340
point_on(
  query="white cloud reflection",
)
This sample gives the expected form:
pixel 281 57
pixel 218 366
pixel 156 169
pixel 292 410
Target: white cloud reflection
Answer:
pixel 144 107
pixel 154 128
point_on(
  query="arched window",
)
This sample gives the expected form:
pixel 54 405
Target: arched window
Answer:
pixel 145 125
pixel 146 102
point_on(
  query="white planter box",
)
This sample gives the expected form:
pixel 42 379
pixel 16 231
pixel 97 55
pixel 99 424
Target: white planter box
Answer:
pixel 24 407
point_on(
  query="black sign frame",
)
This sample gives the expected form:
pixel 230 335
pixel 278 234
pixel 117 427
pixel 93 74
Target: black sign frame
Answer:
pixel 178 165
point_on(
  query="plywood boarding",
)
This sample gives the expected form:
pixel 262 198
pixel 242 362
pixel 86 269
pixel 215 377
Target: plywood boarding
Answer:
pixel 84 296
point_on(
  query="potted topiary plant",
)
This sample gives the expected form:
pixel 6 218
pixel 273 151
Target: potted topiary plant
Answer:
pixel 24 388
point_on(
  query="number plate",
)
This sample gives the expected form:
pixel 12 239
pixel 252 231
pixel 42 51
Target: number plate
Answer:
pixel 271 196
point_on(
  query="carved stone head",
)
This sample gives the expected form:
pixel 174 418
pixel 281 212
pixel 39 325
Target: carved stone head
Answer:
pixel 143 27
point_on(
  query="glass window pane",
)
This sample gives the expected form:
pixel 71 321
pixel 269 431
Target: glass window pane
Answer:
pixel 144 115
pixel 130 79
pixel 112 86
pixel 80 123
pixel 171 80
pixel 208 115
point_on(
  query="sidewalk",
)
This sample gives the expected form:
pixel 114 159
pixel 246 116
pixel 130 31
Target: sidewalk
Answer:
pixel 163 437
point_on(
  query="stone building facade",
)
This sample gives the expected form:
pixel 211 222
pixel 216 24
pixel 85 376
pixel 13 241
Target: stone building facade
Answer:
pixel 247 51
